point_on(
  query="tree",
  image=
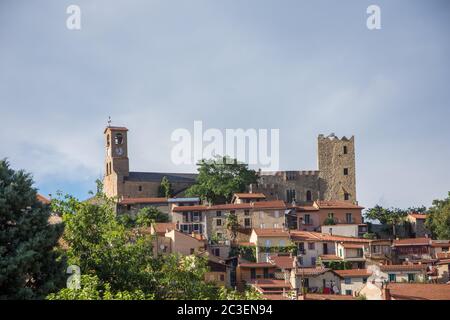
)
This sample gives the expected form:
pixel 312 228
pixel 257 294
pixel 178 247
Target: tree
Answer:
pixel 93 289
pixel 148 215
pixel 30 266
pixel 232 225
pixel 165 188
pixel 103 247
pixel 438 218
pixel 391 216
pixel 220 178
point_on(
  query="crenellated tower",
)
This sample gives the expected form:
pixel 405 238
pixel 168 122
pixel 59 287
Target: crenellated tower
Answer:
pixel 336 159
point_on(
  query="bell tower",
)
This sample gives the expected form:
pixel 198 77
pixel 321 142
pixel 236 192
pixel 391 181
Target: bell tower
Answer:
pixel 116 160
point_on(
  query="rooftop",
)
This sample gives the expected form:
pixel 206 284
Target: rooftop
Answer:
pixel 335 204
pixel 313 271
pixel 419 291
pixel 282 262
pixel 162 227
pixel 317 236
pixel 271 232
pixel 352 273
pixel 126 201
pixel 403 267
pixel 412 242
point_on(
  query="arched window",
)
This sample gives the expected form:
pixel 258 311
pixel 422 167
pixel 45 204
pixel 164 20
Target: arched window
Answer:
pixel 118 138
pixel 345 149
pixel 308 195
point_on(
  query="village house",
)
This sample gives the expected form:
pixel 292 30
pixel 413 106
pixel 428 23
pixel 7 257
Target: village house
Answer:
pixel 405 272
pixel 269 242
pixel 415 250
pixel 406 291
pixel 416 225
pixel 344 217
pixel 248 197
pixel 315 280
pixel 352 280
pixel 248 272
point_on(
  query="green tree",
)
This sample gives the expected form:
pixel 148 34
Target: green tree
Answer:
pixel 392 216
pixel 30 265
pixel 165 188
pixel 93 289
pixel 220 178
pixel 148 215
pixel 102 246
pixel 232 225
pixel 438 218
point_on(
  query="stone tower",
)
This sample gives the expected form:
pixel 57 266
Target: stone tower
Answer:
pixel 116 160
pixel 336 159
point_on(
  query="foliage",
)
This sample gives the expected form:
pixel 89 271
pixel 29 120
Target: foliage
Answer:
pixel 30 266
pixel 102 246
pixel 165 189
pixel 368 235
pixel 392 216
pixel 329 221
pixel 361 297
pixel 337 265
pixel 232 225
pixel 438 218
pixel 230 294
pixel 93 289
pixel 220 178
pixel 246 252
pixel 148 215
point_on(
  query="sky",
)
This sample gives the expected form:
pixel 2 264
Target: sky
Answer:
pixel 304 67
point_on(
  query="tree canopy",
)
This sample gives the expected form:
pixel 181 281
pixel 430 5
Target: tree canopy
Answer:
pixel 30 266
pixel 220 178
pixel 391 216
pixel 438 218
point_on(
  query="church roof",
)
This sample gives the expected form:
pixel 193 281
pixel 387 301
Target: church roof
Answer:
pixel 157 176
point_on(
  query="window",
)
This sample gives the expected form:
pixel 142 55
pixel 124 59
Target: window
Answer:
pixel 192 250
pixel 218 213
pixel 290 195
pixel 216 252
pixel 232 212
pixel 348 218
pixel 330 215
pixel 247 222
pixel 252 273
pixel 411 277
pixel 364 280
pixel 266 273
pixel 290 175
pixel 307 219
pixel 301 247
pixel 218 222
pixel 222 277
pixel 196 216
pixel 345 171
pixel 306 282
pixel 308 195
pixel 281 243
pixel 346 196
pixel 300 260
pixel 247 212
pixel 268 243
pixel 392 277
pixel 348 292
pixel 345 150
pixel 140 188
pixel 262 226
pixel 276 214
pixel 313 261
pixel 348 280
pixel 311 246
pixel 118 138
pixel 219 235
pixel 276 226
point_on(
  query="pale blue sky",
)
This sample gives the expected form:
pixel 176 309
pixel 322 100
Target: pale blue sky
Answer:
pixel 305 67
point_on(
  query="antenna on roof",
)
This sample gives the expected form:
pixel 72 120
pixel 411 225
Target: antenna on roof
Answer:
pixel 109 121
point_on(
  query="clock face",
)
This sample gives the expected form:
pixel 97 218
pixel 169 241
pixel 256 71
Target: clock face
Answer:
pixel 119 151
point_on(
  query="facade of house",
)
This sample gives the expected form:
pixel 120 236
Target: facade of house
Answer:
pixel 405 272
pixel 269 242
pixel 416 222
pixel 412 249
pixel 352 280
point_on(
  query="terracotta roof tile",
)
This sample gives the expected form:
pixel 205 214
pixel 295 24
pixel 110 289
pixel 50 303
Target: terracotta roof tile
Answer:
pixel 126 201
pixel 334 204
pixel 190 208
pixel 271 232
pixel 282 262
pixel 418 216
pixel 443 255
pixel 412 242
pixel 256 265
pixel 42 199
pixel 419 291
pixel 313 271
pixel 257 195
pixel 161 227
pixel 440 243
pixel 317 236
pixel 316 296
pixel 330 257
pixel 352 273
pixel 403 267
